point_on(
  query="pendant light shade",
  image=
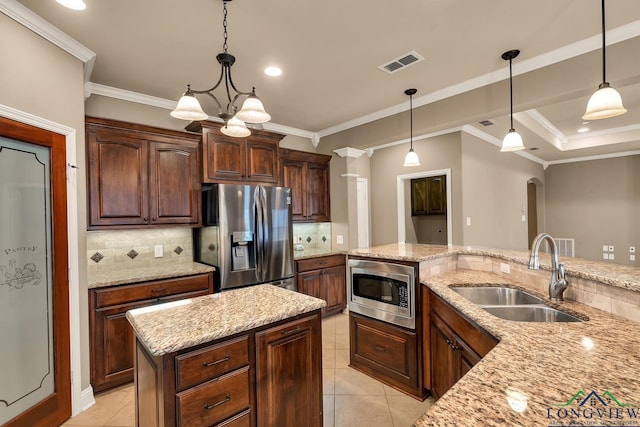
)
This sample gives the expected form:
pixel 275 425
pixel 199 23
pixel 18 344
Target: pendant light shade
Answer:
pixel 236 128
pixel 411 159
pixel 189 108
pixel 252 110
pixel 606 101
pixel 512 141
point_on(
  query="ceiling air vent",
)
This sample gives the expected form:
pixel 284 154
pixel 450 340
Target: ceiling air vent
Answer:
pixel 486 123
pixel 401 62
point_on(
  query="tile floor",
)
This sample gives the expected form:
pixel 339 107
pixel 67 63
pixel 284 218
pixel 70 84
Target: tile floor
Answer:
pixel 350 397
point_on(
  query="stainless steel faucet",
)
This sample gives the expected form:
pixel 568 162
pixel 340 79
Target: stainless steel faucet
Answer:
pixel 557 282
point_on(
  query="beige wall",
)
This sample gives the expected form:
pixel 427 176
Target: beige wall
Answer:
pixel 495 193
pixel 38 78
pixel 597 203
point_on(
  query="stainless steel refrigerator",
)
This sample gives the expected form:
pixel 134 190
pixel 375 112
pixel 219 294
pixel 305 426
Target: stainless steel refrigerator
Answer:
pixel 247 235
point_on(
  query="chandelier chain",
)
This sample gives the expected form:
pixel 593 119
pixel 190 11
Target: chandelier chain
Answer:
pixel 224 24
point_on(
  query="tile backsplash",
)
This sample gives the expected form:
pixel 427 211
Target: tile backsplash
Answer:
pixel 127 249
pixel 314 235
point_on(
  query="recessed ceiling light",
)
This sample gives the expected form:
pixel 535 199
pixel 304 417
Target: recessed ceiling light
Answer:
pixel 273 71
pixel 583 129
pixel 73 4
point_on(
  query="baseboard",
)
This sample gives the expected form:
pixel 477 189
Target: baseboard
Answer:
pixel 87 400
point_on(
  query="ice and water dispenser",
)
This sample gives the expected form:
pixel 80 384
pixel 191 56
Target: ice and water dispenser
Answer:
pixel 242 251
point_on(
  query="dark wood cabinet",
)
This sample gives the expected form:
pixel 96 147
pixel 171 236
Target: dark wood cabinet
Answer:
pixel 139 175
pixel 251 160
pixel 111 335
pixel 456 345
pixel 324 278
pixel 429 195
pixel 307 174
pixel 386 352
pixel 288 374
pixel 270 376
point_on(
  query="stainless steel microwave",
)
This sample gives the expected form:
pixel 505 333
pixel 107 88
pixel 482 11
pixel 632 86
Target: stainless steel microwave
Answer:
pixel 383 291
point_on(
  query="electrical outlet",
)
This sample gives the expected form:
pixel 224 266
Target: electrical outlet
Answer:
pixel 611 248
pixel 605 256
pixel 468 221
pixel 158 251
pixel 632 257
pixel 339 239
pixel 504 267
pixel 612 256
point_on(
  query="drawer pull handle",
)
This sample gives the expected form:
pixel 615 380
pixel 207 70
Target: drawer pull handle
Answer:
pixel 156 290
pixel 454 348
pixel 448 342
pixel 217 362
pixel 291 331
pixel 379 348
pixel 226 399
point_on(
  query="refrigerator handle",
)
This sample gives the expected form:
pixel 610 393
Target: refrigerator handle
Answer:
pixel 259 207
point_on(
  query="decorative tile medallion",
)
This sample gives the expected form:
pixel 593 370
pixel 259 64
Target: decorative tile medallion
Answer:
pixel 324 239
pixel 308 239
pixel 97 257
pixel 132 254
pixel 178 250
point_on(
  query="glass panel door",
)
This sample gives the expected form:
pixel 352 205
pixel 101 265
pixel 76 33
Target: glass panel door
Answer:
pixel 26 278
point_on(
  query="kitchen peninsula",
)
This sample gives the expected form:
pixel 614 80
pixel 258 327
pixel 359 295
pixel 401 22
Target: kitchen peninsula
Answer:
pixel 250 356
pixel 538 373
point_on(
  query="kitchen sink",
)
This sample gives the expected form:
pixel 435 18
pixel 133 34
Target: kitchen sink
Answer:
pixel 496 295
pixel 531 313
pixel 513 304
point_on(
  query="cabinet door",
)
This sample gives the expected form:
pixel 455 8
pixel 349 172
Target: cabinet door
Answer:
pixel 262 161
pixel 318 208
pixel 334 289
pixel 310 283
pixel 288 374
pixel 112 349
pixel 223 157
pixel 465 358
pixel 437 195
pixel 443 364
pixel 293 177
pixel 118 186
pixel 418 197
pixel 174 196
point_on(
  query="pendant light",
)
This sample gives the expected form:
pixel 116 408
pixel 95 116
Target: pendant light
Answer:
pixel 411 159
pixel 606 101
pixel 512 140
pixel 252 110
pixel 73 4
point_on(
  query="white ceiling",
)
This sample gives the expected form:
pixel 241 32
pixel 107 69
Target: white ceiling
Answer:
pixel 330 50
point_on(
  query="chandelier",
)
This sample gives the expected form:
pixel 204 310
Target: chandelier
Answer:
pixel 252 110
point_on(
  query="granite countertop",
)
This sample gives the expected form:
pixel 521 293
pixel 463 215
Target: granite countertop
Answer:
pixel 134 275
pixel 315 253
pixel 622 276
pixel 529 378
pixel 174 326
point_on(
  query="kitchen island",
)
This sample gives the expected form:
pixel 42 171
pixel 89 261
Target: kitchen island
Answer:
pixel 245 357
pixel 579 373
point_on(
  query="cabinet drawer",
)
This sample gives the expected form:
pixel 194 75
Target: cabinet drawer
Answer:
pixel 214 401
pixel 319 263
pixel 197 366
pixel 383 347
pixel 149 290
pixel 240 420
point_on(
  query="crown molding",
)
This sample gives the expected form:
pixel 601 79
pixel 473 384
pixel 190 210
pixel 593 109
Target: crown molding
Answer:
pixel 471 130
pixel 558 139
pixel 349 152
pixel 597 157
pixel 29 19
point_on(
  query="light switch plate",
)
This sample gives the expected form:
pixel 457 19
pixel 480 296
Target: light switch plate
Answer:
pixel 340 239
pixel 504 267
pixel 605 248
pixel 632 257
pixel 612 256
pixel 605 256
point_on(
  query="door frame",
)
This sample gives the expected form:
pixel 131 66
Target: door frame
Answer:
pixel 79 399
pixel 400 180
